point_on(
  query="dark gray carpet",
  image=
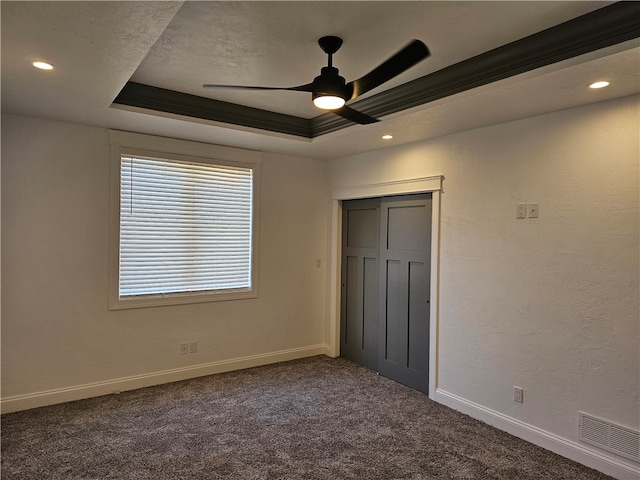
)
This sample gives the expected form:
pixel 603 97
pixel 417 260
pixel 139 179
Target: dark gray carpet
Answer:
pixel 317 418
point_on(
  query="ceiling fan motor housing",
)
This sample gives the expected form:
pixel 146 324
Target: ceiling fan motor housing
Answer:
pixel 329 82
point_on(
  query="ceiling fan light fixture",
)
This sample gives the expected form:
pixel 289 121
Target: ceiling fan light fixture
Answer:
pixel 329 90
pixel 42 65
pixel 329 102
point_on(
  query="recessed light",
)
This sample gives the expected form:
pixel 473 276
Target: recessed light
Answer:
pixel 601 84
pixel 43 65
pixel 387 137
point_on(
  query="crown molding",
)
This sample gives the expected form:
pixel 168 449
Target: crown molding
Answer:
pixel 169 101
pixel 601 28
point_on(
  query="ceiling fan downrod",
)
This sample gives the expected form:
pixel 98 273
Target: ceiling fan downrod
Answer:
pixel 330 45
pixel 330 91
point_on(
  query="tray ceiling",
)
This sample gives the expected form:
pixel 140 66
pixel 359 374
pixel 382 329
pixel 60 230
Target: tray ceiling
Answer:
pixel 167 50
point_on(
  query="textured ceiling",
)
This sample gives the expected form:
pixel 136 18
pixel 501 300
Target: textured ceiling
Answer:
pixel 275 43
pixel 97 47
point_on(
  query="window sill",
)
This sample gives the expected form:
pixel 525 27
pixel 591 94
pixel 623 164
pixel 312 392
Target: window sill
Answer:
pixel 178 299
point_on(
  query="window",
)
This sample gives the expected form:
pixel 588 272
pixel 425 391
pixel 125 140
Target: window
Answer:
pixel 185 230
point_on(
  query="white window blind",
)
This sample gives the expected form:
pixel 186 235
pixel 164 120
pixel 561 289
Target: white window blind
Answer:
pixel 184 227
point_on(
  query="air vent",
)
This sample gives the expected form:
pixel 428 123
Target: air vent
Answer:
pixel 611 437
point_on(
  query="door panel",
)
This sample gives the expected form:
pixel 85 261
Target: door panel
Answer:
pixel 361 302
pixel 353 323
pixel 404 294
pixel 407 228
pixel 362 226
pixel 360 285
pixel 394 309
pixel 370 305
pixel 418 354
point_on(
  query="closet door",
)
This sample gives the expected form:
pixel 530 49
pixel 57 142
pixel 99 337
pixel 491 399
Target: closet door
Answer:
pixel 405 273
pixel 360 285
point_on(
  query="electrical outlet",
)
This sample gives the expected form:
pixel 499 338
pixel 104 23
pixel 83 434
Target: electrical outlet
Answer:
pixel 184 348
pixel 518 394
pixel 521 210
pixel 193 347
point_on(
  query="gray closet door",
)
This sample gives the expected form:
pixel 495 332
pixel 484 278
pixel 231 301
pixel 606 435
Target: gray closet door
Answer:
pixel 360 286
pixel 405 273
pixel 386 272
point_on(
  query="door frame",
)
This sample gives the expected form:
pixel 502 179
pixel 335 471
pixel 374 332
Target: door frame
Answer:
pixel 431 185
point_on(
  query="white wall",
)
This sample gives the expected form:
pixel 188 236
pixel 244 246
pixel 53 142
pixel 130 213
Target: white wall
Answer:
pixel 548 304
pixel 57 331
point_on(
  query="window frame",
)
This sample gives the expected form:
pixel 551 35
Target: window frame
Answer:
pixel 130 144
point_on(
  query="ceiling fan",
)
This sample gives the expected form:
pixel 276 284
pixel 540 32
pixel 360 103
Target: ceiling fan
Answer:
pixel 330 91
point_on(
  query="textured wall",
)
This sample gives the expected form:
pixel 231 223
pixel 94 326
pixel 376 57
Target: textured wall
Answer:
pixel 548 304
pixel 56 329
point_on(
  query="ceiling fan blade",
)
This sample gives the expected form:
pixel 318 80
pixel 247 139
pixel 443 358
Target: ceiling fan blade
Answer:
pixel 355 116
pixel 301 88
pixel 401 61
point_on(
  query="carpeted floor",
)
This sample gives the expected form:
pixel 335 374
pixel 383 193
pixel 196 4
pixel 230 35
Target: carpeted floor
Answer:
pixel 316 418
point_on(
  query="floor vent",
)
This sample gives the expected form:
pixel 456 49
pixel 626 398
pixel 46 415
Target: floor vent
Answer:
pixel 611 437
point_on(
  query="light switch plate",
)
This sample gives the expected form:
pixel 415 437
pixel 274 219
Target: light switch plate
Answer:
pixel 534 210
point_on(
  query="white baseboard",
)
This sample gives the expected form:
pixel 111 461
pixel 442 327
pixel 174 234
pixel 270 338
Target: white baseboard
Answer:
pixel 78 392
pixel 601 461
